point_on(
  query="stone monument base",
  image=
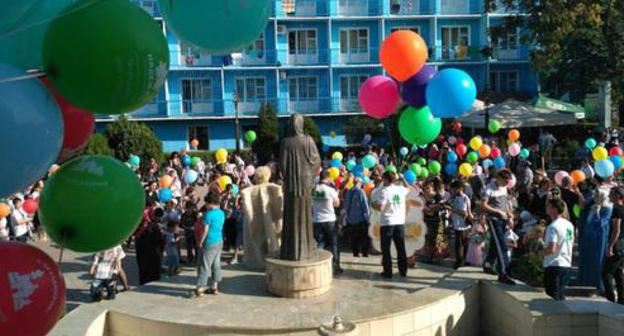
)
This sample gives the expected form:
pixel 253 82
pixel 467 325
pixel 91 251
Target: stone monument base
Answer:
pixel 300 279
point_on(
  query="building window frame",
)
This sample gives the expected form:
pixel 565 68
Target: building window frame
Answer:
pixel 204 102
pixel 496 80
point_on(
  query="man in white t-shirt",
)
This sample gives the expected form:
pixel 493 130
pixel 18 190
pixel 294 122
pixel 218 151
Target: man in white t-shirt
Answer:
pixel 558 252
pixel 324 201
pixel 391 204
pixel 20 222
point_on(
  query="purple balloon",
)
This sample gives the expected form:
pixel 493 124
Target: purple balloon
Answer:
pixel 414 89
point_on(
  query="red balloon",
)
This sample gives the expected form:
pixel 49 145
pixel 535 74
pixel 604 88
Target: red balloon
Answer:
pixel 338 182
pixel 457 126
pixel 495 152
pixel 30 206
pixel 32 290
pixel 78 125
pixel 616 151
pixel 461 150
pixel 459 140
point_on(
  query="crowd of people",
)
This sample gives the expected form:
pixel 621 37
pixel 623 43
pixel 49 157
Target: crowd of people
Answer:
pixel 491 218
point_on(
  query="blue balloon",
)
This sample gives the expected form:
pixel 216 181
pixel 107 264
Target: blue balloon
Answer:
pixel 499 163
pixel 235 189
pixel 186 160
pixel 617 161
pixel 451 93
pixel 350 164
pixel 404 151
pixel 451 157
pixel 134 160
pixel 487 163
pixel 369 161
pixel 336 163
pixel 604 168
pixel 358 171
pixel 450 169
pixel 410 176
pixel 165 195
pixel 31 131
pixel 190 176
pixel 590 143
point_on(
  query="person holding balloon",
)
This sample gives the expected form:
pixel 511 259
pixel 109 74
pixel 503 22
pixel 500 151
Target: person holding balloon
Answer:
pixel 325 200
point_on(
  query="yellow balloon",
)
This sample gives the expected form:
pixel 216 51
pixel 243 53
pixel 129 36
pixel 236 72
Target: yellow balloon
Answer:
pixel 224 181
pixel 337 155
pixel 350 185
pixel 465 169
pixel 221 155
pixel 333 173
pixel 600 153
pixel 476 143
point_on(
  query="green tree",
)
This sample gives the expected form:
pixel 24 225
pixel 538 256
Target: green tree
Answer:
pixel 98 145
pixel 267 140
pixel 578 43
pixel 127 137
pixel 310 128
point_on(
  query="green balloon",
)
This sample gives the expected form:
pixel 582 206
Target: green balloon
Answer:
pixel 416 168
pixel 424 173
pixel 421 161
pixel 524 153
pixel 22 46
pixel 576 209
pixel 494 126
pixel 391 168
pixel 91 203
pixel 472 157
pixel 218 26
pixel 250 136
pixel 418 126
pixel 195 161
pixel 107 57
pixel 434 167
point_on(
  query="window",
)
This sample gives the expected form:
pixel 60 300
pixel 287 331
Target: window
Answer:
pixel 352 7
pixel 454 6
pixel 354 41
pixel 302 42
pixel 257 47
pixel 350 86
pixel 201 134
pixel 196 95
pixel 455 42
pixel 250 89
pixel 302 88
pixel 509 41
pixel 504 81
pixel 414 29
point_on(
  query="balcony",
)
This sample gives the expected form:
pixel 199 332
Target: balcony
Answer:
pixel 458 7
pixel 354 55
pixel 197 106
pixel 458 54
pixel 512 54
pixel 357 7
pixel 302 8
pixel 348 105
pixel 249 58
pixel 191 59
pixel 407 7
pixel 304 58
pixel 303 106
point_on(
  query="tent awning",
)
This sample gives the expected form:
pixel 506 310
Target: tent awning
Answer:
pixel 554 104
pixel 514 114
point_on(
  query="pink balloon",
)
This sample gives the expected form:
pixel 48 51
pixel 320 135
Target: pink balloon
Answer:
pixel 452 140
pixel 512 182
pixel 379 97
pixel 250 170
pixel 514 149
pixel 560 176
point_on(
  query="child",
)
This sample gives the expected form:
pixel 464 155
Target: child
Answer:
pixel 460 215
pixel 511 239
pixel 171 247
pixel 533 241
pixel 104 270
pixel 434 217
pixel 474 256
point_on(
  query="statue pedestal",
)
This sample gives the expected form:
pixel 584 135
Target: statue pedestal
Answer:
pixel 300 279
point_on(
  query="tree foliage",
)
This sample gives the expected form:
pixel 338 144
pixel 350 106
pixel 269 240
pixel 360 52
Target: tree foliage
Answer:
pixel 127 137
pixel 311 128
pixel 578 43
pixel 267 140
pixel 98 145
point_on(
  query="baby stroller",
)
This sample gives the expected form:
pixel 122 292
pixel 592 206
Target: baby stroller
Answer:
pixel 104 280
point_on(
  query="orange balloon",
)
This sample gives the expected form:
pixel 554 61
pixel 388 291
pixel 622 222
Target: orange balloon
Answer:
pixel 514 135
pixel 368 188
pixel 5 210
pixel 403 54
pixel 577 176
pixel 484 151
pixel 195 143
pixel 165 181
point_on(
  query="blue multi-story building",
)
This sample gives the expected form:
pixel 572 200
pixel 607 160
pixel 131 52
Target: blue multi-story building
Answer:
pixel 311 59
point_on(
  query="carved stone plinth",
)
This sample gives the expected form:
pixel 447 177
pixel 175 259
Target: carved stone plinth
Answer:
pixel 300 279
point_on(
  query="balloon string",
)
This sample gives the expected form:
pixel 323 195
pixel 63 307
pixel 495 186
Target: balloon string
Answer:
pixel 46 20
pixel 29 75
pixel 62 249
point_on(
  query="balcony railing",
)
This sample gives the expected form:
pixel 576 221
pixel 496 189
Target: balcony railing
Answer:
pixel 410 7
pixel 302 8
pixel 357 7
pixel 511 54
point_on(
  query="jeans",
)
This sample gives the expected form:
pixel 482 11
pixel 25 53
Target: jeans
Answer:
pixel 191 246
pixel 360 241
pixel 209 264
pixel 613 269
pixel 326 236
pixel 498 246
pixel 396 234
pixel 23 238
pixel 555 280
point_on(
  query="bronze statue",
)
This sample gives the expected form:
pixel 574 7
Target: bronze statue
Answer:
pixel 299 159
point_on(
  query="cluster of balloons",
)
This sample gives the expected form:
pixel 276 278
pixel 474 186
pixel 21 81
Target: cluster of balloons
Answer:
pixel 606 162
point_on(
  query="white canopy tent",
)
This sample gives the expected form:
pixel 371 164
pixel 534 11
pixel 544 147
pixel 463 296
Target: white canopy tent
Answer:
pixel 515 114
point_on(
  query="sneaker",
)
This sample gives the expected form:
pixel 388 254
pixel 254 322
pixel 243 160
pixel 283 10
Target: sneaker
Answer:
pixel 338 271
pixel 505 279
pixel 233 262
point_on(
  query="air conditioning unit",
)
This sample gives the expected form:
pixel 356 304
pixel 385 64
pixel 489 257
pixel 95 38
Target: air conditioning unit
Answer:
pixel 281 29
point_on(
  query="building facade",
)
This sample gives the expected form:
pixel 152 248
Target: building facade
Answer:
pixel 312 58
